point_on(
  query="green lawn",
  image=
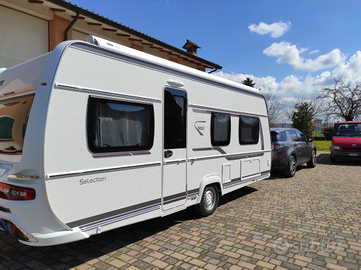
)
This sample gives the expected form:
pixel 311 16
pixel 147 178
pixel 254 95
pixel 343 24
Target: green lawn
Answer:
pixel 322 145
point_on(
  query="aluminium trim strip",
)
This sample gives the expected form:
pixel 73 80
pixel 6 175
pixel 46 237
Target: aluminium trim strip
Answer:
pixel 128 212
pixel 239 181
pixel 175 161
pixel 230 156
pixel 115 215
pixel 105 93
pixel 87 172
pixel 120 218
pixel 232 112
pixel 175 197
pixel 171 68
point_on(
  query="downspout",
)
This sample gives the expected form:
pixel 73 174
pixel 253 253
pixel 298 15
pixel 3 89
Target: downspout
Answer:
pixel 70 26
pixel 212 70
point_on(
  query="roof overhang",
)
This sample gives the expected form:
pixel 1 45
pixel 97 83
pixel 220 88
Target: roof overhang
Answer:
pixel 61 6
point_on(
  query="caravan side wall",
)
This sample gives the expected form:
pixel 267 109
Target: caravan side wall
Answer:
pixel 128 183
pixel 92 185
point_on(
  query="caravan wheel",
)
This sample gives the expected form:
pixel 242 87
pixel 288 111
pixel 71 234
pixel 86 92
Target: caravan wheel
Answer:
pixel 209 201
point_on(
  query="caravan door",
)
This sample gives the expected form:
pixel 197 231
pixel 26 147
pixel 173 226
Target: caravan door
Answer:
pixel 175 151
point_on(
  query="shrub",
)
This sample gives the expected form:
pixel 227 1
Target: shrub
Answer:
pixel 328 131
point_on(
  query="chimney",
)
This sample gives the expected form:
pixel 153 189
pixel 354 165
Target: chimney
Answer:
pixel 191 47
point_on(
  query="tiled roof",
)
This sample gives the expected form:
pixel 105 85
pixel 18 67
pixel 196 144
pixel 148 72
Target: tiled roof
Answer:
pixel 96 17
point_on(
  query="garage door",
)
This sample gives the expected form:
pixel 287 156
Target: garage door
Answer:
pixel 22 37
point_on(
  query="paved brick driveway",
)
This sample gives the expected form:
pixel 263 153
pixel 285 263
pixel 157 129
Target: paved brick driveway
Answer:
pixel 311 221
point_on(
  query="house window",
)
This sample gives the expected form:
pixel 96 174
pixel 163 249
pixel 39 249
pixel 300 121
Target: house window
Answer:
pixel 248 130
pixel 220 129
pixel 119 126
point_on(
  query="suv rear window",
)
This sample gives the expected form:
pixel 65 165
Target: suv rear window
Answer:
pixel 278 136
pixel 14 115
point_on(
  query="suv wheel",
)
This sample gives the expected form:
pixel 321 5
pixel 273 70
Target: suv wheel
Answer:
pixel 332 159
pixel 290 170
pixel 312 162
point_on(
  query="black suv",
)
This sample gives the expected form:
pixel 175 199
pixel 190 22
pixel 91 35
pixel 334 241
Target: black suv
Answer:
pixel 290 148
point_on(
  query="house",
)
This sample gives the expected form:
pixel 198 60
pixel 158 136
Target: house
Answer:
pixel 30 28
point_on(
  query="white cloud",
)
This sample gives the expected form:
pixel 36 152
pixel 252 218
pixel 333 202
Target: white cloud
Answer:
pixel 275 29
pixel 314 51
pixel 293 87
pixel 350 71
pixel 291 55
pixel 261 83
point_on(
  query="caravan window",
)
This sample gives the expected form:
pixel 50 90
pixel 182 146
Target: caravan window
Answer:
pixel 248 130
pixel 220 129
pixel 14 115
pixel 119 126
pixel 175 118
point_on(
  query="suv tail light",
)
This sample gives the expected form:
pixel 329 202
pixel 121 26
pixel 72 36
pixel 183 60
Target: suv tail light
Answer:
pixel 15 193
pixel 276 147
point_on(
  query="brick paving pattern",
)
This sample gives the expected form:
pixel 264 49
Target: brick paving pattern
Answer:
pixel 311 221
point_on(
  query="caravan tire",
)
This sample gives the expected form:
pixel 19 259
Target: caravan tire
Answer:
pixel 209 201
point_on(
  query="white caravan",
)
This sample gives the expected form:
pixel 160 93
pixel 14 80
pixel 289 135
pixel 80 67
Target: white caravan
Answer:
pixel 95 136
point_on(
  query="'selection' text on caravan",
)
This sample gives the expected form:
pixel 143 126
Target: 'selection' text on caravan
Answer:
pixel 92 181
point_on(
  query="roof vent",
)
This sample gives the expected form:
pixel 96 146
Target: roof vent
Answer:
pixel 191 47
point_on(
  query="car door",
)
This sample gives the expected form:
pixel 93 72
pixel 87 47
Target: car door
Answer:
pixel 298 146
pixel 303 146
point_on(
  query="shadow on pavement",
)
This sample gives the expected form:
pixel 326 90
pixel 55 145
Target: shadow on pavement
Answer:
pixel 16 255
pixel 236 195
pixel 324 159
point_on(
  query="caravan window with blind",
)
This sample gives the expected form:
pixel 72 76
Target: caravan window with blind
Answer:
pixel 119 126
pixel 220 129
pixel 248 130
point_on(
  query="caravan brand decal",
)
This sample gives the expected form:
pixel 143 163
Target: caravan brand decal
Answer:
pixel 200 127
pixel 92 181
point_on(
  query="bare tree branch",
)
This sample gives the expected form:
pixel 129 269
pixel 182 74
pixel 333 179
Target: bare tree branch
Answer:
pixel 344 99
pixel 275 107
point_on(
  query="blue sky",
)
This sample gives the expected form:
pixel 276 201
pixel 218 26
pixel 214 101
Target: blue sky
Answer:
pixel 293 48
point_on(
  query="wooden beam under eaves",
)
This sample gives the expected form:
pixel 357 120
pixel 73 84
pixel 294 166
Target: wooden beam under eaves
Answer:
pixel 58 10
pixel 36 2
pixel 135 39
pixel 94 24
pixel 110 29
pixel 174 54
pixel 123 35
pixel 166 51
pixel 79 18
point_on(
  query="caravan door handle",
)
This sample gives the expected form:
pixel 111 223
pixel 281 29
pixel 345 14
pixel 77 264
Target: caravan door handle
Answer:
pixel 168 153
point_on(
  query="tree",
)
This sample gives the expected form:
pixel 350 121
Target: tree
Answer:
pixel 344 98
pixel 275 108
pixel 302 117
pixel 249 82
